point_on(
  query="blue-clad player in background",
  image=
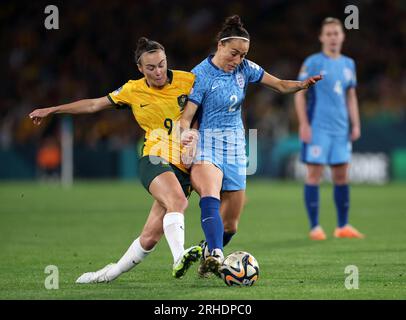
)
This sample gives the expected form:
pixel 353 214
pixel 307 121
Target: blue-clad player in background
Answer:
pixel 325 113
pixel 219 170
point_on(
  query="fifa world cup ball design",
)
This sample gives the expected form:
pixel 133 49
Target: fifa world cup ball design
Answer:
pixel 240 268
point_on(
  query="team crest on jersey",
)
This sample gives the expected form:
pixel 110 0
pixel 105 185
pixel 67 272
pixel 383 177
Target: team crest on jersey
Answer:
pixel 116 92
pixel 240 80
pixel 182 100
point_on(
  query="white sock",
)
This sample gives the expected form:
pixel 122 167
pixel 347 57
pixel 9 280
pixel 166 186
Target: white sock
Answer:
pixel 133 256
pixel 174 229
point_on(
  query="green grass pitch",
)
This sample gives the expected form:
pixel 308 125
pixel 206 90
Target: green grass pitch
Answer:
pixel 92 224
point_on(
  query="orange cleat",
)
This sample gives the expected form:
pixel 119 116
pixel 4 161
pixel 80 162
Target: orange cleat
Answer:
pixel 348 232
pixel 317 233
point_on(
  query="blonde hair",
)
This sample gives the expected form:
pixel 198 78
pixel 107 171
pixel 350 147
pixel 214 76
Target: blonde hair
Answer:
pixel 331 20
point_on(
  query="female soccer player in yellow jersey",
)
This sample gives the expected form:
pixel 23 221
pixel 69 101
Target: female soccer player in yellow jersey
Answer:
pixel 157 101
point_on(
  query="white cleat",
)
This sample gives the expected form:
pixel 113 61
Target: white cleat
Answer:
pixel 95 277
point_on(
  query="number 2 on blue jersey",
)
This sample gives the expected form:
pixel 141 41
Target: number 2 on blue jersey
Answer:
pixel 234 101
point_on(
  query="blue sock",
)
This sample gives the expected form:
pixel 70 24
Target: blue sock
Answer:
pixel 227 237
pixel 342 201
pixel 212 224
pixel 311 195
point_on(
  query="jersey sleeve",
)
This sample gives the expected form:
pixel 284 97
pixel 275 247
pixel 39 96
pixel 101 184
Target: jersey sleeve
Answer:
pixel 253 72
pixel 121 96
pixel 353 79
pixel 190 80
pixel 198 90
pixel 306 69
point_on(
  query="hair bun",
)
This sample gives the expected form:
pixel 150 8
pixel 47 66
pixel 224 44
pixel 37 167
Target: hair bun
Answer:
pixel 233 21
pixel 142 41
pixel 232 27
pixel 146 45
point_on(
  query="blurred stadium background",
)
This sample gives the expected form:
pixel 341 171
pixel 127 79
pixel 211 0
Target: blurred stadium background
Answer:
pixel 91 54
pixel 83 228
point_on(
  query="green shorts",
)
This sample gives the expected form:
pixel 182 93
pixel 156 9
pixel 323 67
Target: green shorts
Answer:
pixel 149 171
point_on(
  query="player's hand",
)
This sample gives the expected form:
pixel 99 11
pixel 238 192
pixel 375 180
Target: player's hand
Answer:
pixel 355 133
pixel 38 114
pixel 189 137
pixel 305 133
pixel 188 155
pixel 189 140
pixel 306 84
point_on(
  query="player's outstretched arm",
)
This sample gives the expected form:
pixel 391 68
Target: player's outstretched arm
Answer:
pixel 288 86
pixel 77 107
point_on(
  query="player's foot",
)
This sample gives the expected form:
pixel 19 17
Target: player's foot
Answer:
pixel 95 277
pixel 348 231
pixel 203 270
pixel 188 257
pixel 214 261
pixel 317 233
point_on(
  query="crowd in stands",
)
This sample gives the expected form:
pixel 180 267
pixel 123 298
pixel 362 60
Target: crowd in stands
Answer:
pixel 92 54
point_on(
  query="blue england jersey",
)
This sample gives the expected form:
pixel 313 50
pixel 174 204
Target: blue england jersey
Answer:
pixel 327 100
pixel 219 96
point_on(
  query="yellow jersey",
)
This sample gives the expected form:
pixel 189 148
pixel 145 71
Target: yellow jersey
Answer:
pixel 157 111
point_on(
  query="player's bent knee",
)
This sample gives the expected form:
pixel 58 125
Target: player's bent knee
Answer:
pixel 183 203
pixel 178 203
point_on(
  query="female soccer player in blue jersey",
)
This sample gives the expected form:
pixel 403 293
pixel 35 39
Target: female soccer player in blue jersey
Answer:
pixel 219 169
pixel 324 113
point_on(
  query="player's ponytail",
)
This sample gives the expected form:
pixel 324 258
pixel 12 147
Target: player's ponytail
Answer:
pixel 146 45
pixel 232 28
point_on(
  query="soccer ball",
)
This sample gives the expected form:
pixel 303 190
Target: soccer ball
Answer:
pixel 240 268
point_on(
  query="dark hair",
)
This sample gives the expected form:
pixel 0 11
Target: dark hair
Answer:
pixel 232 27
pixel 146 45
